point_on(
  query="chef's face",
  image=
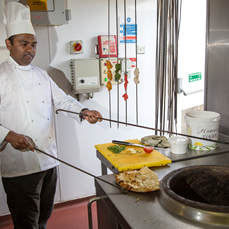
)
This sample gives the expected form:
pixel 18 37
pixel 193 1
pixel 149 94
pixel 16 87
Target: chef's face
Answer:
pixel 23 49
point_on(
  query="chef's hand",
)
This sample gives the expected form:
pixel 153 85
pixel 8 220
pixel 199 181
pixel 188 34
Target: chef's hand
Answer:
pixel 18 141
pixel 92 116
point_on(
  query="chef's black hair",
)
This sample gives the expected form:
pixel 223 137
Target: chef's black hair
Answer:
pixel 11 39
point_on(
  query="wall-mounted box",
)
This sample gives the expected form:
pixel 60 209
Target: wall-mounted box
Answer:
pixel 85 75
pixel 46 12
pixel 107 46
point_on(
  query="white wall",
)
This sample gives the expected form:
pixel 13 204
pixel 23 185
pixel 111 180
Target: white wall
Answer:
pixel 76 142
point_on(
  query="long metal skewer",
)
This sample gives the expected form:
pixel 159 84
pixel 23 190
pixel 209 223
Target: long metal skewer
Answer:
pixel 124 190
pixel 146 127
pixel 125 55
pixel 157 64
pixel 117 42
pixel 136 54
pixel 109 55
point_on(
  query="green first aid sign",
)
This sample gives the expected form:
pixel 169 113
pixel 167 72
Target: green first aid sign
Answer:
pixel 195 76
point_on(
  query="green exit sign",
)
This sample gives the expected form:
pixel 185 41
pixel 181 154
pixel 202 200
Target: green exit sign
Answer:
pixel 195 76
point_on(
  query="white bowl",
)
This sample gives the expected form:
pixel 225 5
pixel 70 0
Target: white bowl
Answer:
pixel 178 144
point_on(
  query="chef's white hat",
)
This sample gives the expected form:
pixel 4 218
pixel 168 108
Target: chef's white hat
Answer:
pixel 17 19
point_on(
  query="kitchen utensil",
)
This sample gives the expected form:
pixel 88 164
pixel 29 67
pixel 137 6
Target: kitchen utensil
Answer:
pixel 126 160
pixel 145 127
pixel 147 149
pixel 124 190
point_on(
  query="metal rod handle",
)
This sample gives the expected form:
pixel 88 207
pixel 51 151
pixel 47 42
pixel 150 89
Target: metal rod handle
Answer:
pixel 149 128
pixel 124 190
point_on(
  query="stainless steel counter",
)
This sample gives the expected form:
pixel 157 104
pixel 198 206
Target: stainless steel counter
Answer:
pixel 147 212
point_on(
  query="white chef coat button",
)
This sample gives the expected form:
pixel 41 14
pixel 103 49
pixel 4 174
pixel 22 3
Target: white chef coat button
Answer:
pixel 47 118
pixel 27 101
pixel 42 101
pixel 49 137
pixel 39 84
pixel 36 140
pixel 32 120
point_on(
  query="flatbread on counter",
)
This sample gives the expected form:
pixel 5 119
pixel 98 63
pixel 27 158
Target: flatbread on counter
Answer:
pixel 156 141
pixel 143 180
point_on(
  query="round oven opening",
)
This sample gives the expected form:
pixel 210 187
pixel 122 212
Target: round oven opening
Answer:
pixel 201 187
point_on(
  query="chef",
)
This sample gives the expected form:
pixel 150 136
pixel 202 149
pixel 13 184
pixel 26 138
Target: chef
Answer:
pixel 27 97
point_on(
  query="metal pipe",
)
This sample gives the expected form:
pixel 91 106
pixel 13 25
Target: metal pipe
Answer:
pixel 181 90
pixel 146 127
pixel 168 25
pixel 110 105
pixel 157 66
pixel 136 44
pixel 136 50
pixel 117 42
pixel 118 103
pixel 109 29
pixel 170 72
pixel 125 54
pixel 89 209
pixel 164 64
pixel 74 167
pixel 109 55
pixel 173 98
pixel 176 27
pixel 136 104
pixel 191 92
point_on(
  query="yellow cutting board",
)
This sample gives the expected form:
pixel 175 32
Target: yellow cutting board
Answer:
pixel 126 160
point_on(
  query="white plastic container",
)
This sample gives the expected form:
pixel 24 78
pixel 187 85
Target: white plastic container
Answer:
pixel 204 124
pixel 178 144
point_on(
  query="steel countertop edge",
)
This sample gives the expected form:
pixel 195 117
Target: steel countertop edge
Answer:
pixel 147 212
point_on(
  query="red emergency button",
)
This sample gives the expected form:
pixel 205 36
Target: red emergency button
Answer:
pixel 77 47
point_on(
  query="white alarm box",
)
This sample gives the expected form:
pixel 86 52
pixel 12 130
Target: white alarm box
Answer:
pixel 85 75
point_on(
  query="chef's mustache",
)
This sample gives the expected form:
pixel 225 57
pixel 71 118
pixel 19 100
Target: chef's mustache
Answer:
pixel 29 53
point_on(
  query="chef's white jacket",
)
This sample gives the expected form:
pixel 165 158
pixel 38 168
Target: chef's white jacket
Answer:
pixel 27 97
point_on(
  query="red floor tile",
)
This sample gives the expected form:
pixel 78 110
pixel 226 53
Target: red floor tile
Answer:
pixel 72 215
